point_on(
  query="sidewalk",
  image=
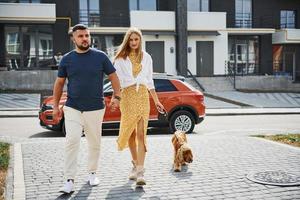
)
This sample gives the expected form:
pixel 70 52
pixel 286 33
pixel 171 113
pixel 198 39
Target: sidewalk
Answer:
pixel 221 164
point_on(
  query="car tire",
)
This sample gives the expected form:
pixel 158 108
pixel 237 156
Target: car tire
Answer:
pixel 182 120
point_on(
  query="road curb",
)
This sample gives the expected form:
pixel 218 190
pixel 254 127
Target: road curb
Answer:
pixel 264 113
pixel 19 184
pixel 227 100
pixel 252 111
pixel 18 113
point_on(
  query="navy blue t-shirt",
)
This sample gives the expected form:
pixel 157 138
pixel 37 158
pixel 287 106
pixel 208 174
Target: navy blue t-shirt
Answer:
pixel 84 72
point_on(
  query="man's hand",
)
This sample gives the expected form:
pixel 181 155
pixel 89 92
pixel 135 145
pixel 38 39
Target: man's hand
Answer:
pixel 57 114
pixel 114 103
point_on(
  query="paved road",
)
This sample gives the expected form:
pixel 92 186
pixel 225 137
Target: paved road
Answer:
pixel 223 157
pixel 219 170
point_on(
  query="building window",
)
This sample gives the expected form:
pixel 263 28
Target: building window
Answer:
pixel 107 43
pixel 198 5
pixel 89 12
pixel 284 60
pixel 287 19
pixel 243 13
pixel 244 54
pixel 28 47
pixel 142 5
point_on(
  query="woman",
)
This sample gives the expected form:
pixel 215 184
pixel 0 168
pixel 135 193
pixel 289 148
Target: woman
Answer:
pixel 134 69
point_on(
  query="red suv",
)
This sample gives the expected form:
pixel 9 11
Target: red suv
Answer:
pixel 184 104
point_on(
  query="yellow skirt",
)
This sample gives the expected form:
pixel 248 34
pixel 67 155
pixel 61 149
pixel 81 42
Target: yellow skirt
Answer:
pixel 134 106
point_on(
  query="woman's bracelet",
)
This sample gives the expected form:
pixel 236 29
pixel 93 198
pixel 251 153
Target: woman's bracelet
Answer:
pixel 118 98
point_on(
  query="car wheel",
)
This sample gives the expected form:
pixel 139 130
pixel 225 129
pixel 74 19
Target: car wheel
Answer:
pixel 182 120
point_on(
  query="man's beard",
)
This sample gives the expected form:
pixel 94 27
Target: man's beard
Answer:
pixel 83 48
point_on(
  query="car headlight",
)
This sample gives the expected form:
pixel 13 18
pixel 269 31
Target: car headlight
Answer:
pixel 46 107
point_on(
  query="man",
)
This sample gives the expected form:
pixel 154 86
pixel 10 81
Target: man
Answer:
pixel 84 109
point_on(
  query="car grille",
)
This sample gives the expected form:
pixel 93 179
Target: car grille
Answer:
pixel 49 117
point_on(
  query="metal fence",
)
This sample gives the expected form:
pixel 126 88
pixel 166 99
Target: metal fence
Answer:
pixel 13 62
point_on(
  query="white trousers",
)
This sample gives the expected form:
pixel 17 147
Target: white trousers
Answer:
pixel 75 122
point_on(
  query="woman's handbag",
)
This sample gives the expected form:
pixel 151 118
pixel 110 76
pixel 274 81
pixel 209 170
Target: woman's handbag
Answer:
pixel 163 116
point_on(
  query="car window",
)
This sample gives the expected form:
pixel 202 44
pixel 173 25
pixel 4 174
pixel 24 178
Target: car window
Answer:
pixel 164 85
pixel 161 85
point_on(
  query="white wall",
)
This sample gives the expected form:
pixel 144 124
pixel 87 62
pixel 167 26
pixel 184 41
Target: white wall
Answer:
pixel 206 20
pixel 31 12
pixel 220 52
pixel 170 58
pixel 286 36
pixel 153 20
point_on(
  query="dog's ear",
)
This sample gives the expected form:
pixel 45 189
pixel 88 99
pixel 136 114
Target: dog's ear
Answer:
pixel 188 155
pixel 174 141
pixel 184 136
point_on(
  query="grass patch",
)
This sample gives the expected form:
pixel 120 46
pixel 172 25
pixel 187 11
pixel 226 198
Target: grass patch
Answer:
pixel 291 139
pixel 4 161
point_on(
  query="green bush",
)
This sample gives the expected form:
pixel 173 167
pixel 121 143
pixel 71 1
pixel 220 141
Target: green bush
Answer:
pixel 4 155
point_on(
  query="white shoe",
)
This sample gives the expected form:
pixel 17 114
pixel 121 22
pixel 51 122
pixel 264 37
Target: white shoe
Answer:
pixel 68 187
pixel 132 174
pixel 140 180
pixel 93 180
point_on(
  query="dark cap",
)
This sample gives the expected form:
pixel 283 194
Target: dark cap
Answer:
pixel 79 27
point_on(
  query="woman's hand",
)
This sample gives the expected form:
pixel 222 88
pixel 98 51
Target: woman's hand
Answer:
pixel 160 107
pixel 114 103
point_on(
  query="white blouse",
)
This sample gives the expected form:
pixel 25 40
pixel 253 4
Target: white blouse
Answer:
pixel 124 72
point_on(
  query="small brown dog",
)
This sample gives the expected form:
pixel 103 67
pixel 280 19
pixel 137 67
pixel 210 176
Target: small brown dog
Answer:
pixel 182 152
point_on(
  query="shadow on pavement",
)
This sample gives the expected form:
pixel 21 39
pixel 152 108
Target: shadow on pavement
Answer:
pixel 151 131
pixel 184 174
pixel 64 196
pixel 47 134
pixel 121 191
pixel 106 132
pixel 84 191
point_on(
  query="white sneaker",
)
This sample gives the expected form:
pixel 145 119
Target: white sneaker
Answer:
pixel 93 180
pixel 68 187
pixel 132 174
pixel 140 180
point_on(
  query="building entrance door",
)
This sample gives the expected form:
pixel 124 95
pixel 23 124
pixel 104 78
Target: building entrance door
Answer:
pixel 205 58
pixel 241 58
pixel 289 64
pixel 157 51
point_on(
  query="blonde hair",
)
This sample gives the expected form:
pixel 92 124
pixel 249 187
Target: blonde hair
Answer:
pixel 124 49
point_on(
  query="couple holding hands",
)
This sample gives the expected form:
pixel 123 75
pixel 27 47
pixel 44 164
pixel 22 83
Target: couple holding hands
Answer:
pixel 131 79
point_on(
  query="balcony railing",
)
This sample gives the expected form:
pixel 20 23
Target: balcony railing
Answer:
pixel 93 18
pixel 243 20
pixel 89 17
pixel 246 20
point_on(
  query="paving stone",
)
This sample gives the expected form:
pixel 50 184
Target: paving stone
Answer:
pixel 218 172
